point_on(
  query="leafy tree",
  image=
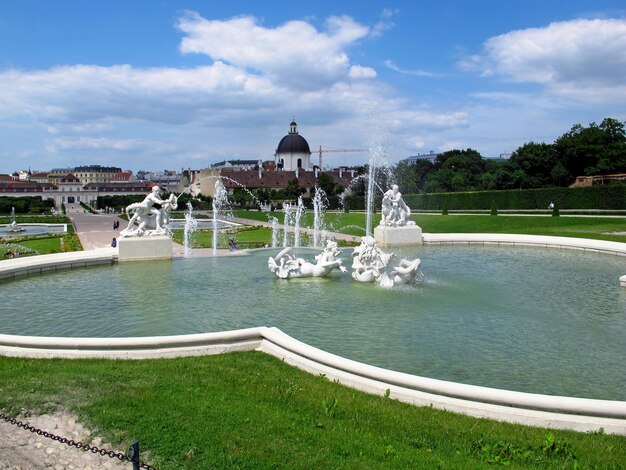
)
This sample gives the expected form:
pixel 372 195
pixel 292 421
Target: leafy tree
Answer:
pixel 456 170
pixel 593 150
pixel 537 161
pixel 328 184
pixel 358 187
pixel 241 197
pixel 293 189
pixel 411 177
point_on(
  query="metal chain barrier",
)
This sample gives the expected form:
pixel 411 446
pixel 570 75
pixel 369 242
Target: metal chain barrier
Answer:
pixel 133 449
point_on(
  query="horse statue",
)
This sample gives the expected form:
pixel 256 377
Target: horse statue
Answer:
pixel 150 220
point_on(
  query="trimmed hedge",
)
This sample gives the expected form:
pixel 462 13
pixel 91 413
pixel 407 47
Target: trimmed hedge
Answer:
pixel 25 205
pixel 610 197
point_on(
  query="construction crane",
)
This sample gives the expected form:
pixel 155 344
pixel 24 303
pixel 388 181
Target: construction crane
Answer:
pixel 321 151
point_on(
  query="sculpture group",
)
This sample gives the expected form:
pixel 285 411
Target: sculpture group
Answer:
pixel 150 216
pixel 369 263
pixel 395 212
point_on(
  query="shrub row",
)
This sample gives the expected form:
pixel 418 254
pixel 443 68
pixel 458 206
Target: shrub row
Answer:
pixel 25 205
pixel 610 197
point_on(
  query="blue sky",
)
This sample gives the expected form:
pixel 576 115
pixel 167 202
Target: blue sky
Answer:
pixel 144 84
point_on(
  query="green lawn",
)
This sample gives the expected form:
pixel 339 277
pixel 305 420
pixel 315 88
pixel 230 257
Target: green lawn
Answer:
pixel 250 410
pixel 44 246
pixel 602 228
pixel 247 237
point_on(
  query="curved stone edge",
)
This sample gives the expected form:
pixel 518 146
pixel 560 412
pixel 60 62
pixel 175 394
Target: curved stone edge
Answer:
pixel 16 267
pixel 577 414
pixel 504 239
pixel 517 407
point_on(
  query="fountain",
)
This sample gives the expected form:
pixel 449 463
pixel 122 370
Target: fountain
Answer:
pixel 285 265
pixel 287 214
pixel 13 227
pixel 296 225
pixel 395 228
pixel 190 226
pixel 461 324
pixel 371 264
pixel 319 206
pixel 220 202
pixel 148 235
pixel 274 232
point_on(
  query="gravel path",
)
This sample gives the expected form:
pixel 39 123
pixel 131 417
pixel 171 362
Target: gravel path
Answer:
pixel 23 450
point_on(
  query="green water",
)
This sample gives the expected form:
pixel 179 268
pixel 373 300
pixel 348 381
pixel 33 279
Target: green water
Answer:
pixel 537 320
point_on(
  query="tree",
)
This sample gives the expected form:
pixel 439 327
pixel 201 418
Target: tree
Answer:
pixel 411 177
pixel 456 170
pixel 593 150
pixel 537 161
pixel 293 189
pixel 328 184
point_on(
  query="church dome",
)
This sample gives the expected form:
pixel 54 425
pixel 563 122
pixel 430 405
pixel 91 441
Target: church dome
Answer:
pixel 293 142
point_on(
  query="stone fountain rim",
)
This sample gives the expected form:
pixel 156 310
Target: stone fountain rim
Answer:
pixel 580 414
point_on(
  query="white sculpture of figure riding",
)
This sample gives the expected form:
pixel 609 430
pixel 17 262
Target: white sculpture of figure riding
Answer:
pixel 287 266
pixel 150 220
pixel 395 212
pixel 371 264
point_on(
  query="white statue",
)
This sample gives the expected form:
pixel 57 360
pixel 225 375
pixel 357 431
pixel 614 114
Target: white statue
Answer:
pixel 368 261
pixel 395 212
pixel 371 264
pixel 287 266
pixel 150 220
pixel 13 227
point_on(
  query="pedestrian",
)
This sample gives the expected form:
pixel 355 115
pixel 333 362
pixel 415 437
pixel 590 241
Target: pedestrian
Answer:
pixel 113 243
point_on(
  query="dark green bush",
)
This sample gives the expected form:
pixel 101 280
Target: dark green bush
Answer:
pixel 607 197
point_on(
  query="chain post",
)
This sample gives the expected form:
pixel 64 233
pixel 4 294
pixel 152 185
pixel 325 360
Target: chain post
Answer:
pixel 134 457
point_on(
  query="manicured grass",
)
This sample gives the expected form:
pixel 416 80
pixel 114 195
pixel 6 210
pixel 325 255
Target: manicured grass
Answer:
pixel 250 410
pixel 601 228
pixel 248 235
pixel 44 246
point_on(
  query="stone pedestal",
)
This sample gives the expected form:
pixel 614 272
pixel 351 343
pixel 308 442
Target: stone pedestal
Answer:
pixel 144 248
pixel 405 235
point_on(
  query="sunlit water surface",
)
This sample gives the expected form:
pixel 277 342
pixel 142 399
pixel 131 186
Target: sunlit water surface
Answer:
pixel 536 320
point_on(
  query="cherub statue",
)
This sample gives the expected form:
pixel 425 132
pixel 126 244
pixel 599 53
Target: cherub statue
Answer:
pixel 371 264
pixel 285 265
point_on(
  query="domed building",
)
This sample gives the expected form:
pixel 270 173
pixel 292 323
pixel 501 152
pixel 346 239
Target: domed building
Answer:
pixel 293 151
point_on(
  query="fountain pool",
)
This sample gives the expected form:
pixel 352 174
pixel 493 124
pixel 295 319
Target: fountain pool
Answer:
pixel 536 320
pixel 32 229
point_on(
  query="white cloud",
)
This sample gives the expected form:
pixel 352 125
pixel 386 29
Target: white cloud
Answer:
pixel 358 71
pixel 583 59
pixel 418 73
pixel 238 104
pixel 294 54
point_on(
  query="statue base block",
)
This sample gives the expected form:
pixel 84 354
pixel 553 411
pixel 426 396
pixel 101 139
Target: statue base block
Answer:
pixel 386 236
pixel 144 248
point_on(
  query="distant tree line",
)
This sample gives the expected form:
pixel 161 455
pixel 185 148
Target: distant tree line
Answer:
pixel 583 151
pixel 25 205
